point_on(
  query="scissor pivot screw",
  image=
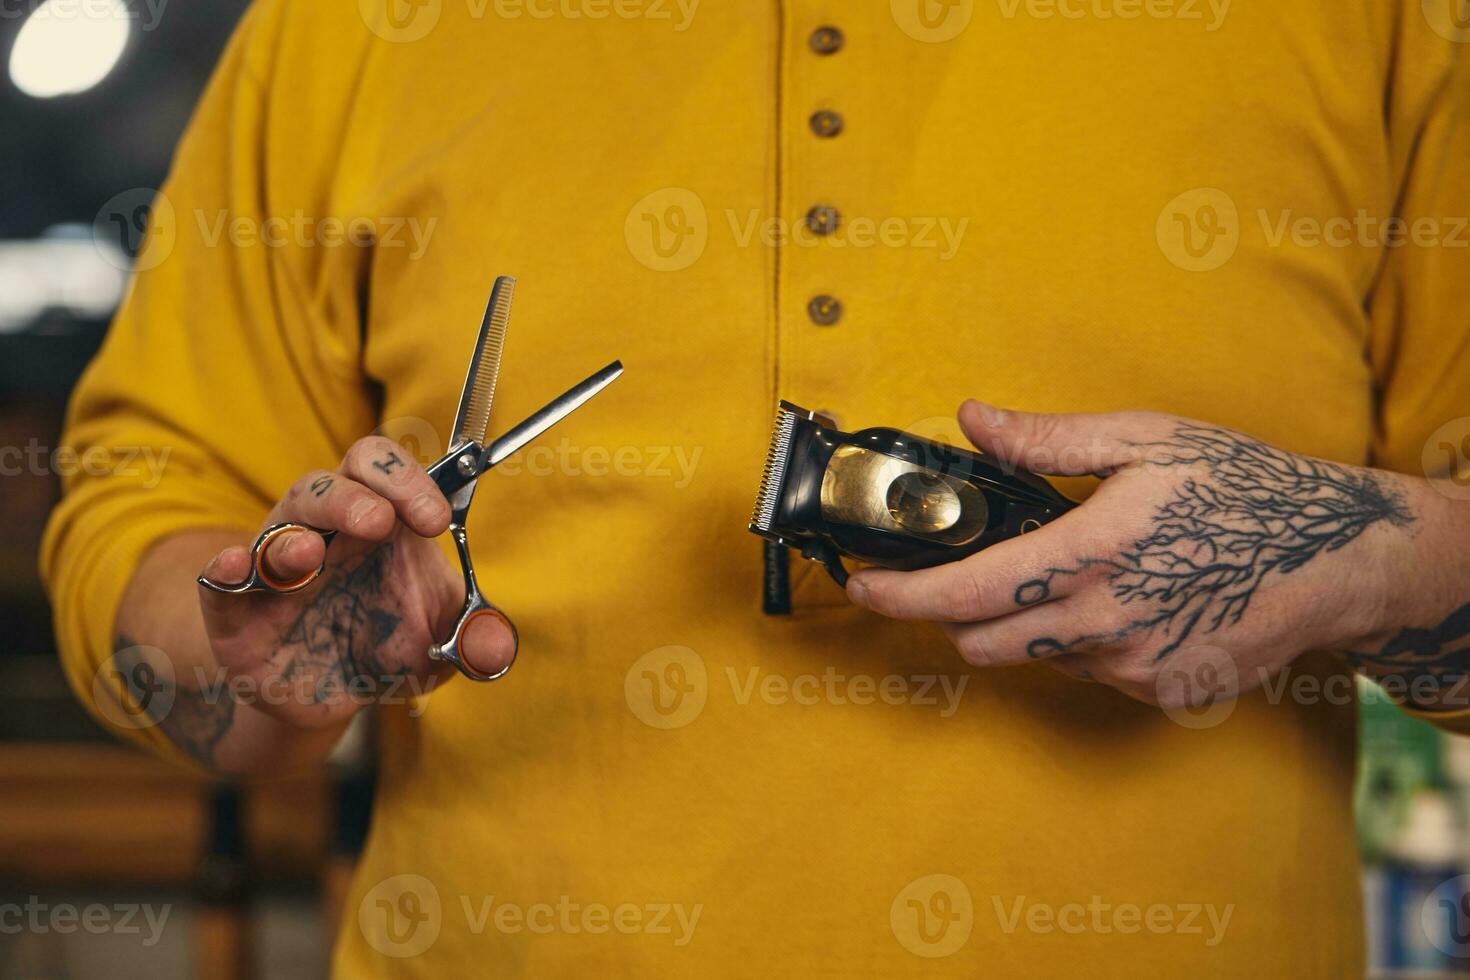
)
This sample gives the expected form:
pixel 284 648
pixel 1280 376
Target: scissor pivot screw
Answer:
pixel 467 464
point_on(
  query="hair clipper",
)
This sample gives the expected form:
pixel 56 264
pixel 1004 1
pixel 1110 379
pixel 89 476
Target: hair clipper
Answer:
pixel 889 498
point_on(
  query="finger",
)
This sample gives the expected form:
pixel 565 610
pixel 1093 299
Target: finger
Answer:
pixel 1055 629
pixel 489 642
pixel 1060 444
pixel 226 615
pixel 386 468
pixel 293 555
pixel 333 502
pixel 1012 574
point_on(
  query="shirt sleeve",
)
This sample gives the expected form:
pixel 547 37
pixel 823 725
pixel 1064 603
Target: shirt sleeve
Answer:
pixel 1420 306
pixel 233 365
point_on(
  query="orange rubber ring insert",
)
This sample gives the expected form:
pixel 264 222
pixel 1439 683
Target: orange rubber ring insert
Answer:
pixel 266 576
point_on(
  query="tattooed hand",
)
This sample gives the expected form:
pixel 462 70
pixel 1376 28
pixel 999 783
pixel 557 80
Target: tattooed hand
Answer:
pixel 387 594
pixel 1199 540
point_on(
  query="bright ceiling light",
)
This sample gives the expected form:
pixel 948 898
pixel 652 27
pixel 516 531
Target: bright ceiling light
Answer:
pixel 68 46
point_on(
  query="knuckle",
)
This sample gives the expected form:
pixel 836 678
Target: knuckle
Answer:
pixel 308 482
pixel 1137 673
pixel 1044 428
pixel 964 598
pixel 974 648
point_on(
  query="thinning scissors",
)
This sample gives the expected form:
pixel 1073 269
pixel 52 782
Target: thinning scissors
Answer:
pixel 456 473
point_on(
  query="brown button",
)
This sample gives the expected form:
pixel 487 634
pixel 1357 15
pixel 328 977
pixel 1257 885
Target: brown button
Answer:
pixel 826 40
pixel 823 219
pixel 824 310
pixel 826 123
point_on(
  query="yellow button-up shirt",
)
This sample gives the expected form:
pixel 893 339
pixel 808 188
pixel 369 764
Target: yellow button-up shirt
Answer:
pixel 1058 205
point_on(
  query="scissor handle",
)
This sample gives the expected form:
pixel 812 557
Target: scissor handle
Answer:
pixel 475 605
pixel 261 580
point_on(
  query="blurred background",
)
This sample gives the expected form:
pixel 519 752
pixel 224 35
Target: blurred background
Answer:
pixel 94 881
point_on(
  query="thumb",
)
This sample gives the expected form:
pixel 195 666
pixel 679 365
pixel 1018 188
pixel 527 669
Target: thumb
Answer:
pixel 1057 444
pixel 489 642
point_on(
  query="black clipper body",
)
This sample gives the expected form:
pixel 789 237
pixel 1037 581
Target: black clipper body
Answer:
pixel 888 497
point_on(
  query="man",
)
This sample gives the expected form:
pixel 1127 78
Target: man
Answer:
pixel 877 209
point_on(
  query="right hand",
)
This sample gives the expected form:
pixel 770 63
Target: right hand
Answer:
pixel 365 626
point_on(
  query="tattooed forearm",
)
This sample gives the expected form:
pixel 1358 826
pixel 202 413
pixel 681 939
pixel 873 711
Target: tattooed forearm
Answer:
pixel 1442 650
pixel 195 719
pixel 1250 512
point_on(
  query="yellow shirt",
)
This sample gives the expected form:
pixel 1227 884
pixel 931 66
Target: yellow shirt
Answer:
pixel 1054 206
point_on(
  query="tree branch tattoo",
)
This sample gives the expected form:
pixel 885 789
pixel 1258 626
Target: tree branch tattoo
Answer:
pixel 335 647
pixel 1254 511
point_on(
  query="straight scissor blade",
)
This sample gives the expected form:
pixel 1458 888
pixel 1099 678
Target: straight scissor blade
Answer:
pixel 558 409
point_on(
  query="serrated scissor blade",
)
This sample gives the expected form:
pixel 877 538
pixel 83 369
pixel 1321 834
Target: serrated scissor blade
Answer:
pixel 472 421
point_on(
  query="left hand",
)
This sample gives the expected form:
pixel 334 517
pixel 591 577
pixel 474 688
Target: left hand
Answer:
pixel 1201 543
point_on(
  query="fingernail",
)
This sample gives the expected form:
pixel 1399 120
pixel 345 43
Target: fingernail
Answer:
pixel 359 510
pixel 857 590
pixel 212 571
pixel 992 416
pixel 425 507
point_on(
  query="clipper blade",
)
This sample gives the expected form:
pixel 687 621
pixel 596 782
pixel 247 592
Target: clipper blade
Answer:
pixel 773 477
